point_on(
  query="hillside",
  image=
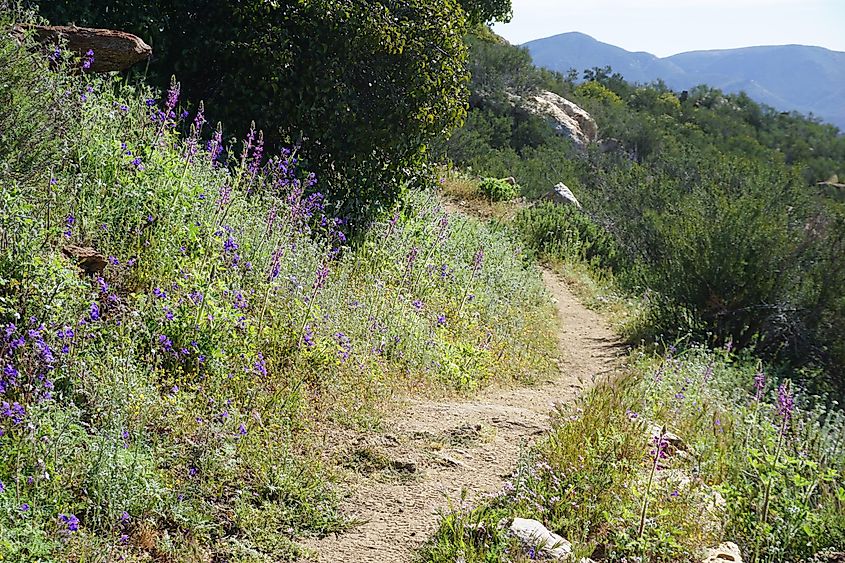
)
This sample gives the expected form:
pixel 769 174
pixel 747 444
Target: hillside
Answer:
pixel 370 334
pixel 810 80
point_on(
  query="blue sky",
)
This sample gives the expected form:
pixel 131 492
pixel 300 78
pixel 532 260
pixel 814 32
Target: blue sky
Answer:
pixel 666 27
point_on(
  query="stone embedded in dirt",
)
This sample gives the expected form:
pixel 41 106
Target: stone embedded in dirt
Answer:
pixel 86 258
pixel 404 465
pixel 535 535
pixel 113 50
pixel 562 195
pixel 725 553
pixel 675 442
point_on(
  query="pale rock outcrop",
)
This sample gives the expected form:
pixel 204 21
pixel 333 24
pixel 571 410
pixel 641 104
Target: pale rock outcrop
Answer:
pixel 567 119
pixel 725 553
pixel 562 195
pixel 535 535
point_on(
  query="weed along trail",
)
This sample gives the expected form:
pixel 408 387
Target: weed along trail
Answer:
pixel 431 451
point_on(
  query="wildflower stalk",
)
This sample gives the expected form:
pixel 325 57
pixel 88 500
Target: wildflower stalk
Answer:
pixel 785 407
pixel 658 453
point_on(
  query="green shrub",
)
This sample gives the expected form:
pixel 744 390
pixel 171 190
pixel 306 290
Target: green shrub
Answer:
pixel 563 232
pixel 496 189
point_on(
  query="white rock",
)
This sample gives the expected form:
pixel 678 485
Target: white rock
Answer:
pixel 562 194
pixel 567 119
pixel 725 553
pixel 534 534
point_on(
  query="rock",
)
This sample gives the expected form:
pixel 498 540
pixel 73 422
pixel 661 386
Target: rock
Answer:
pixel 828 556
pixel 674 441
pixel 726 552
pixel 404 465
pixel 535 535
pixel 562 195
pixel 113 50
pixel 86 258
pixel 567 119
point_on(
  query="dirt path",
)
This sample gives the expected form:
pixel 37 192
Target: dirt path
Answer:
pixel 436 450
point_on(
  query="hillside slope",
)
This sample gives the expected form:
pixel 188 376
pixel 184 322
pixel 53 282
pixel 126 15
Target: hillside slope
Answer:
pixel 786 77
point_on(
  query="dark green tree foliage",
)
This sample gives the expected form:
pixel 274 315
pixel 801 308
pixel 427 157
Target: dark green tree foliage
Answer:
pixel 363 85
pixel 486 11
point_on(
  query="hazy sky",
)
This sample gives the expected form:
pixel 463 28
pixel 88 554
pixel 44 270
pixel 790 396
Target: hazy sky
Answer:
pixel 666 27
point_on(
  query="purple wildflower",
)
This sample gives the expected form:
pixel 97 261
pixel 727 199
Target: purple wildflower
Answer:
pixel 88 59
pixel 94 312
pixel 70 522
pixel 786 402
pixel 322 275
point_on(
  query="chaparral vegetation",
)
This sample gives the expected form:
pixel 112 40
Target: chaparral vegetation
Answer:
pixel 207 260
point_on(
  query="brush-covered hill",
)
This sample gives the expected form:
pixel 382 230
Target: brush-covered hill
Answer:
pixel 810 80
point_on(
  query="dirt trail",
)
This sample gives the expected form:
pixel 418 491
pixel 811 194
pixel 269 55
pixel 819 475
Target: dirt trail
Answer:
pixel 435 450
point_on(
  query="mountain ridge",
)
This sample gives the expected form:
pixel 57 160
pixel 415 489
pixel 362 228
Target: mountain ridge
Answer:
pixel 804 78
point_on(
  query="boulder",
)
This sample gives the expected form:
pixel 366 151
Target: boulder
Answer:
pixel 567 119
pixel 725 553
pixel 562 195
pixel 86 258
pixel 113 50
pixel 535 535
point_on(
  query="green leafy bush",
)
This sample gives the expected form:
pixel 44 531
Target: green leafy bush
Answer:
pixel 496 189
pixel 562 232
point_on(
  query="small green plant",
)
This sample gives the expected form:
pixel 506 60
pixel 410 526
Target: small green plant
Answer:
pixel 496 189
pixel 564 233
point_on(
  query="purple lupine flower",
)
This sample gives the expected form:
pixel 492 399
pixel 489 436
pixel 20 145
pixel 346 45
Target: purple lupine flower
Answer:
pixel 260 366
pixel 322 275
pixel 412 256
pixel 478 259
pixel 103 284
pixel 418 305
pixel 240 301
pixel 160 293
pixel 70 522
pixel 94 312
pixel 172 96
pixel 257 155
pixel 224 195
pixel 138 164
pixel 441 320
pixel 124 518
pixel 165 342
pixel 786 402
pixel 308 336
pixel 2 487
pixel 242 429
pixel 69 222
pixel 24 507
pixel 215 145
pixel 88 60
pixel 759 383
pixel 230 245
pixel 345 345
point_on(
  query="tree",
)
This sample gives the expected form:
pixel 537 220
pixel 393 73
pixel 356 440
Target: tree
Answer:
pixel 363 85
pixel 486 11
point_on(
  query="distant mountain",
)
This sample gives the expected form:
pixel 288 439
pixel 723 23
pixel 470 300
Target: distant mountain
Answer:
pixel 786 77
